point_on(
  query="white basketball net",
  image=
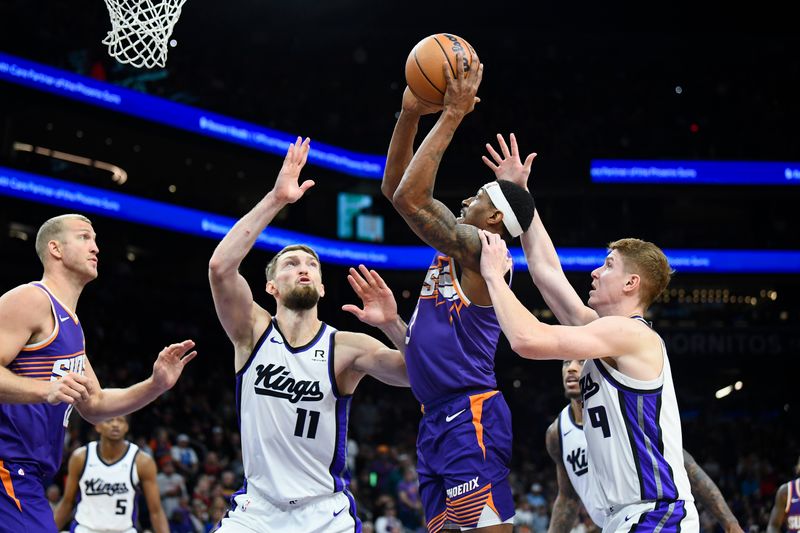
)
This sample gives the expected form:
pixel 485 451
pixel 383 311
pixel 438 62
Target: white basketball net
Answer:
pixel 140 30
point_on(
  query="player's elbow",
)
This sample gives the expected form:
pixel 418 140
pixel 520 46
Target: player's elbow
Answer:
pixel 408 199
pixel 524 346
pixel 388 190
pixel 217 268
pixel 91 417
pixel 400 200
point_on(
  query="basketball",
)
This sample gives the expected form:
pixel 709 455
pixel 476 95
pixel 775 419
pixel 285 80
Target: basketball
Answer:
pixel 424 74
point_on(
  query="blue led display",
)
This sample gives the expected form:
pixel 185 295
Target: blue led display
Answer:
pixel 695 172
pixel 91 91
pixel 85 199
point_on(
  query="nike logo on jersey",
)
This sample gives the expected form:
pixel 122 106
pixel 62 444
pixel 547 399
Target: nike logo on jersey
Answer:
pixel 274 340
pixel 98 487
pixel 277 381
pixel 63 318
pixel 452 417
pixel 337 513
pixel 568 432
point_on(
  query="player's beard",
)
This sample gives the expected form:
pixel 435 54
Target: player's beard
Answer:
pixel 302 298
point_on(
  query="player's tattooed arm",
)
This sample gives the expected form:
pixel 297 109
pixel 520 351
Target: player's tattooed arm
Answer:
pixel 565 508
pixel 435 224
pixel 429 218
pixel 708 494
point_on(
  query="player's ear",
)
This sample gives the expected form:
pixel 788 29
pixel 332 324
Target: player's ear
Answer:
pixel 495 220
pixel 55 248
pixel 271 288
pixel 321 290
pixel 633 282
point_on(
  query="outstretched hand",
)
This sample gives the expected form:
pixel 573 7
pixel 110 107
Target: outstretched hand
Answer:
pixel 495 259
pixel 287 187
pixel 462 90
pixel 380 306
pixel 171 362
pixel 509 165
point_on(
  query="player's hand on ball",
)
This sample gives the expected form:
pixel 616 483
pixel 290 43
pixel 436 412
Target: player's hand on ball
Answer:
pixel 287 188
pixel 461 92
pixel 509 166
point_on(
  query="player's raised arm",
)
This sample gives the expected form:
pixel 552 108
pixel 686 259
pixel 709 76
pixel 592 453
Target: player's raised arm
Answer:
pixel 609 337
pixel 233 298
pixel 540 253
pixel 430 219
pixel 401 147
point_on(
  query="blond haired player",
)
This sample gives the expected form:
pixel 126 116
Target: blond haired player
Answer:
pixel 632 422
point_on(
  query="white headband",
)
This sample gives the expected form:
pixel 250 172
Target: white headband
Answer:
pixel 499 200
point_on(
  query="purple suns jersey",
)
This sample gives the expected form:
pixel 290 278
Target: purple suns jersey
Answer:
pixel 33 434
pixel 793 506
pixel 450 342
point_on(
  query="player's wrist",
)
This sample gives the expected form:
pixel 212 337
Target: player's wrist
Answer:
pixel 42 391
pixel 409 114
pixel 452 112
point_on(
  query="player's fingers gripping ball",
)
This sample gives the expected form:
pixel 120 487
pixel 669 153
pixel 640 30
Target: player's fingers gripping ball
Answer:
pixel 424 74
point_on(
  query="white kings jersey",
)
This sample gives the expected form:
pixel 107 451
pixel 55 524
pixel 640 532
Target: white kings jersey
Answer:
pixel 576 463
pixel 633 433
pixel 108 492
pixel 293 420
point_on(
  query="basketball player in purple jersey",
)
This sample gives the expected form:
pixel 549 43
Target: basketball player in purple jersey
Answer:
pixel 44 373
pixel 464 441
pixel 787 506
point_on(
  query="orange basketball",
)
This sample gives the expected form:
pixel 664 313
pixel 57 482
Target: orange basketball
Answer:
pixel 424 65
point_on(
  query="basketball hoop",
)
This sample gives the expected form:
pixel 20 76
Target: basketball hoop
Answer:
pixel 140 30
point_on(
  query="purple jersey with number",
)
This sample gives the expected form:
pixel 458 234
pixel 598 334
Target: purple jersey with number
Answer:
pixel 33 434
pixel 793 507
pixel 450 342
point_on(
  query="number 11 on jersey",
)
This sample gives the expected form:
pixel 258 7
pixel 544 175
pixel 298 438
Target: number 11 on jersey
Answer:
pixel 300 425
